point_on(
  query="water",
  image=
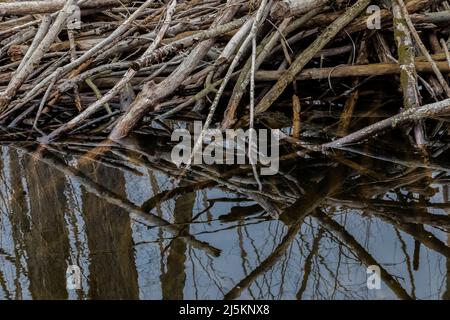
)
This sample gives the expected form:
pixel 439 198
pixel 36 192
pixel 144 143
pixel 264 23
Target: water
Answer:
pixel 201 240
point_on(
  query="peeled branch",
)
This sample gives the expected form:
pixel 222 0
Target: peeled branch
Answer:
pixel 285 8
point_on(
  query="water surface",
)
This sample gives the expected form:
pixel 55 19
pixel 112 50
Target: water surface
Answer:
pixel 137 233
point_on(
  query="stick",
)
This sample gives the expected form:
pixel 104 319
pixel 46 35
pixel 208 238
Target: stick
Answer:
pixel 410 115
pixel 369 70
pixel 49 6
pixel 408 74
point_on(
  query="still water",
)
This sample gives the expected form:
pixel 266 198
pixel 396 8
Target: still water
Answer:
pixel 137 233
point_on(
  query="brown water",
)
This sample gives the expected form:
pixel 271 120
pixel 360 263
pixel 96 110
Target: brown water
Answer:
pixel 136 233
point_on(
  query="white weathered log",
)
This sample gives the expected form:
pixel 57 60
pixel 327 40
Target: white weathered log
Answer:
pixel 284 8
pixel 11 7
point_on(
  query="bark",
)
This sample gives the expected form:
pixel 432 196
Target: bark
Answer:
pixel 368 70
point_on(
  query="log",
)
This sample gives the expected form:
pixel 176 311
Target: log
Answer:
pixel 369 70
pixel 286 8
pixel 50 6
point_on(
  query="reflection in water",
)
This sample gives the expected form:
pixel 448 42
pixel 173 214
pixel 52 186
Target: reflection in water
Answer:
pixel 112 268
pixel 173 279
pixel 47 236
pixel 135 232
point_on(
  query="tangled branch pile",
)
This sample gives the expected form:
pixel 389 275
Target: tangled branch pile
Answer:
pixel 129 64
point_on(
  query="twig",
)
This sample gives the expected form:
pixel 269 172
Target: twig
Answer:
pixel 410 115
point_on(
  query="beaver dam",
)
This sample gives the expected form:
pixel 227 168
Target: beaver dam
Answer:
pixel 104 105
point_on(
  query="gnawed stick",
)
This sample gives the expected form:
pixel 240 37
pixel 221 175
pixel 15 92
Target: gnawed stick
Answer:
pixel 408 116
pixel 346 71
pixel 16 8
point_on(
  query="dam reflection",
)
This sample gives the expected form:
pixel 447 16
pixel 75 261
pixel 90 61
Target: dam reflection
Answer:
pixel 136 233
